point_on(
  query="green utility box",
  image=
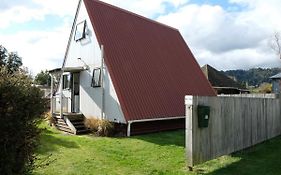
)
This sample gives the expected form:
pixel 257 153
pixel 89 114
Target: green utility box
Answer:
pixel 203 113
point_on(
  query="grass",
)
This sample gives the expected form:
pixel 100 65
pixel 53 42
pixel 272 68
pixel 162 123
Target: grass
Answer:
pixel 152 154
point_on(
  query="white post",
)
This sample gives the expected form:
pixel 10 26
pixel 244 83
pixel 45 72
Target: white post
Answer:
pixel 129 129
pixel 61 102
pixel 102 82
pixel 189 131
pixel 52 96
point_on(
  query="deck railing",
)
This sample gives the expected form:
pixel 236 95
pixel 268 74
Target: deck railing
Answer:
pixel 57 104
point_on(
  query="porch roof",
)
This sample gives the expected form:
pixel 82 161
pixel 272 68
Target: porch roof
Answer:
pixel 73 69
pixel 67 69
pixel 53 71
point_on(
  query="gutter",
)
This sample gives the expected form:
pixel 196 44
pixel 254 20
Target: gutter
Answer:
pixel 149 120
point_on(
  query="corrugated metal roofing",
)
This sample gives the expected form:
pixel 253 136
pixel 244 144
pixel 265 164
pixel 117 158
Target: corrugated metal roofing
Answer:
pixel 219 79
pixel 277 76
pixel 151 66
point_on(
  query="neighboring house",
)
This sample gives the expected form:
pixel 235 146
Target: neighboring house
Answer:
pixel 127 69
pixel 45 89
pixel 222 83
pixel 276 83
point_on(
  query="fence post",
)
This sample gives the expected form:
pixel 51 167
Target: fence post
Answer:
pixel 279 96
pixel 189 131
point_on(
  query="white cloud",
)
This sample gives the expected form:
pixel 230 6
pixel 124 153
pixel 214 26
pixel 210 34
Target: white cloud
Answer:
pixel 17 12
pixel 40 50
pixel 229 39
pixel 218 36
pixel 8 4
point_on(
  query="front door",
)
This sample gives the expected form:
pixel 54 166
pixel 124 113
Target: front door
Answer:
pixel 75 96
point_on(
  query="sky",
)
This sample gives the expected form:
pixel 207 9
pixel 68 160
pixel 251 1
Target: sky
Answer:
pixel 227 34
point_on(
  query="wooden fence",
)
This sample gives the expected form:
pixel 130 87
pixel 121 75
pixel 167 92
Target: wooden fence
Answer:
pixel 235 123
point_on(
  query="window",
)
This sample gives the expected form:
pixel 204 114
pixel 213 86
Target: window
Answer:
pixel 96 79
pixel 80 32
pixel 66 82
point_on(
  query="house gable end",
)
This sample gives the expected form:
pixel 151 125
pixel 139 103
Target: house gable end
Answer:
pixel 151 66
pixel 86 53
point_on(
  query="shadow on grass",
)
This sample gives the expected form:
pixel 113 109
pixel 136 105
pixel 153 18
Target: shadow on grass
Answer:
pixel 49 142
pixel 176 138
pixel 263 159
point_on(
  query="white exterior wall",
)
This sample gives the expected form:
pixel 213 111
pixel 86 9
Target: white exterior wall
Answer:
pixel 89 51
pixel 276 86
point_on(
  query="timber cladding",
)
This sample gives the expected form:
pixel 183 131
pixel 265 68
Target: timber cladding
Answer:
pixel 235 123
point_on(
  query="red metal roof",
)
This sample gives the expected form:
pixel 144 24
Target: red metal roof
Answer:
pixel 151 66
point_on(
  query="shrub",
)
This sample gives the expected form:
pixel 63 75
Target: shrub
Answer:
pixel 49 118
pixel 100 127
pixel 106 128
pixel 92 124
pixel 21 106
pixel 265 88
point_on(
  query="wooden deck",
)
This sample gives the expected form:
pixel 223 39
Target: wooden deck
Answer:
pixel 72 123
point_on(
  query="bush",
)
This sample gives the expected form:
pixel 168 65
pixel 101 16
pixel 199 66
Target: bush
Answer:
pixel 92 124
pixel 49 118
pixel 100 127
pixel 265 88
pixel 21 106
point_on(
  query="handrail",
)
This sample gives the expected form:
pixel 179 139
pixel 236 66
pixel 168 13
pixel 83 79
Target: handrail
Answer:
pixel 70 125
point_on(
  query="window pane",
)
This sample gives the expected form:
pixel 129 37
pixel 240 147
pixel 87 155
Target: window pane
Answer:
pixel 66 81
pixel 96 78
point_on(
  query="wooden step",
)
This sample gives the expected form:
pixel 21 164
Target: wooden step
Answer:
pixel 77 122
pixel 74 116
pixel 84 131
pixel 64 129
pixel 80 127
pixel 62 126
pixel 61 122
pixel 59 119
pixel 56 115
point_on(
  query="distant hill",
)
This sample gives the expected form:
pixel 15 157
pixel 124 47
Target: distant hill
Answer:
pixel 254 77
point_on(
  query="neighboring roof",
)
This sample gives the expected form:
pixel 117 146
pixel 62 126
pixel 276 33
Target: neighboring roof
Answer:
pixel 219 79
pixel 151 66
pixel 56 70
pixel 277 76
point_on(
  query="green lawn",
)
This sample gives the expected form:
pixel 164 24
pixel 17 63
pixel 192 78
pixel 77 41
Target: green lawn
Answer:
pixel 160 153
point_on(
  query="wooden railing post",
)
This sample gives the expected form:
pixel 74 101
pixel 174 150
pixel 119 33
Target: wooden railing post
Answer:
pixel 61 98
pixel 52 95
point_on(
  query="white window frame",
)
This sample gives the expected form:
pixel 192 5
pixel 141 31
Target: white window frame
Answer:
pixel 96 81
pixel 81 28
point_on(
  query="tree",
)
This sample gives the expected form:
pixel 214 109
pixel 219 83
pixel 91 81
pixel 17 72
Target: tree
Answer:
pixel 21 105
pixel 13 62
pixel 10 59
pixel 3 55
pixel 43 78
pixel 275 44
